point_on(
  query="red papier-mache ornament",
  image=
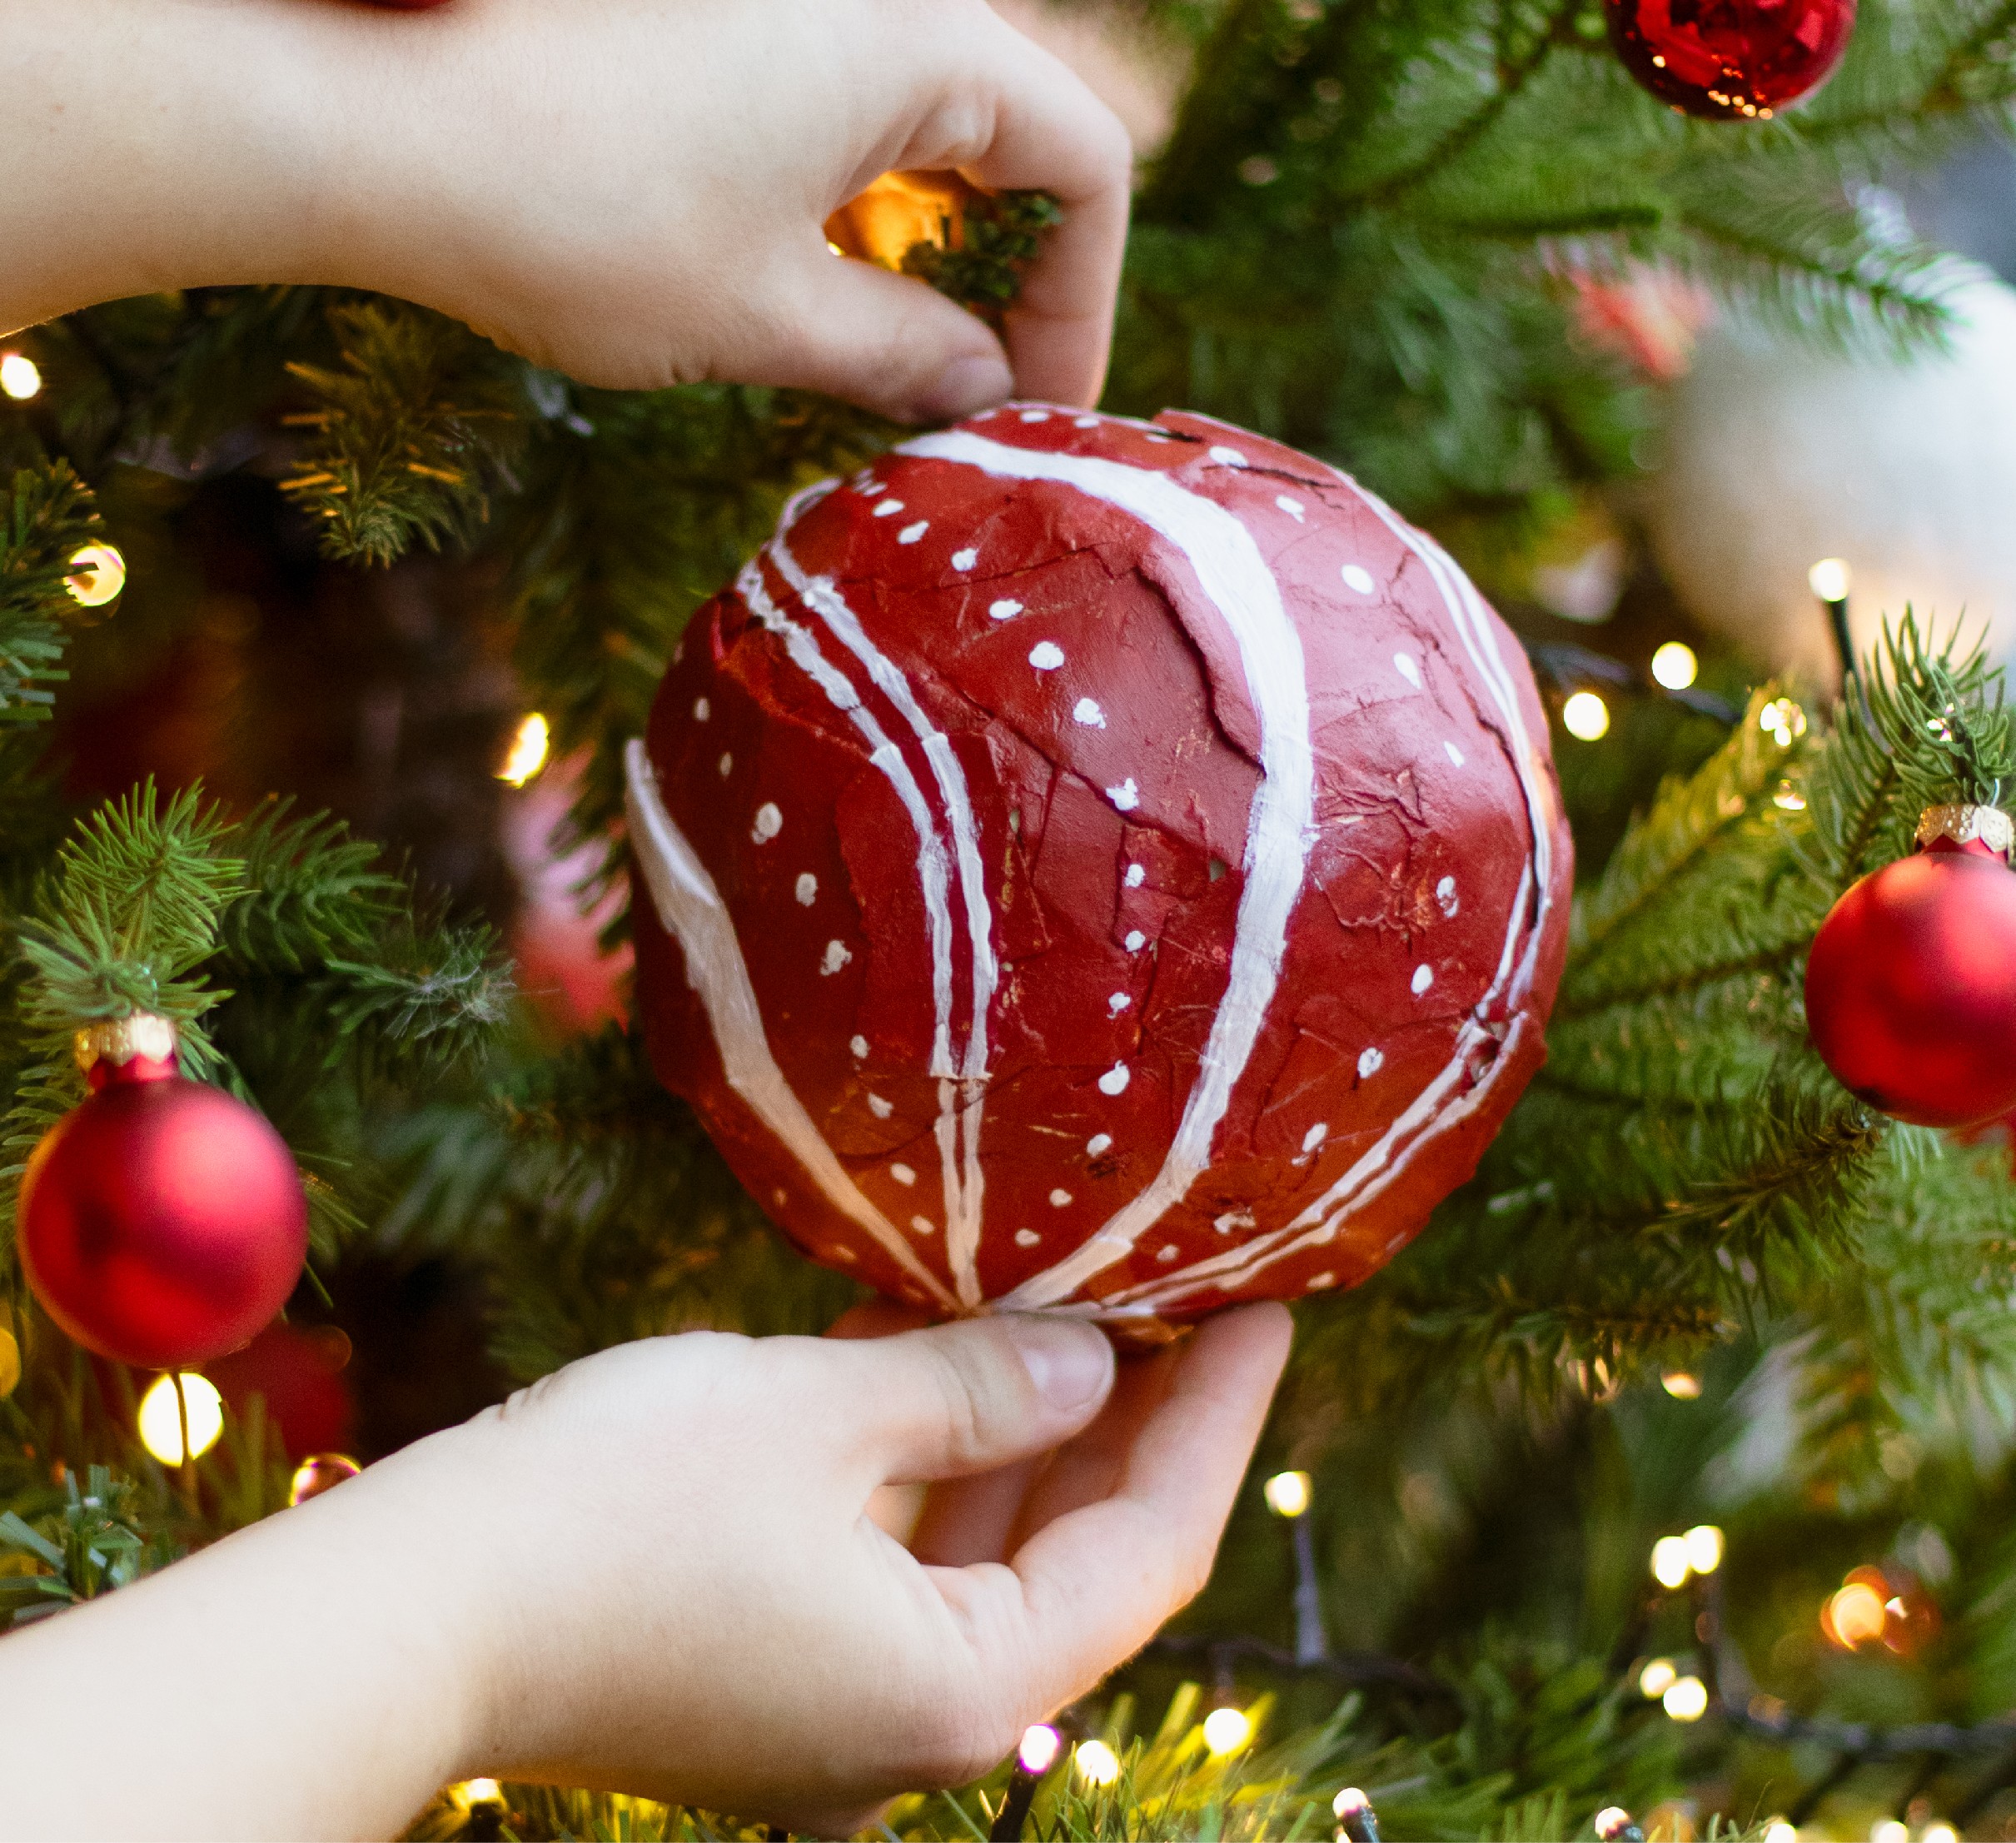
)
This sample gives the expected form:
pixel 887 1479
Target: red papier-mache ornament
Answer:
pixel 161 1221
pixel 1911 982
pixel 1727 59
pixel 1097 864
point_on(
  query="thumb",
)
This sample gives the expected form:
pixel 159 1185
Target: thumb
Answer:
pixel 888 342
pixel 966 1397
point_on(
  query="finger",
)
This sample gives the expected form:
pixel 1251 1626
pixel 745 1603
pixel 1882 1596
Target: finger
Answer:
pixel 974 1519
pixel 963 1398
pixel 1095 1584
pixel 1090 1467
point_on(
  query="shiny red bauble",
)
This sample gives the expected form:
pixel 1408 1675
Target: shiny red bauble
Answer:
pixel 1730 57
pixel 1911 988
pixel 161 1220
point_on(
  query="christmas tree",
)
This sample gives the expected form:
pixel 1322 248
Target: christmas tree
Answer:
pixel 1659 1482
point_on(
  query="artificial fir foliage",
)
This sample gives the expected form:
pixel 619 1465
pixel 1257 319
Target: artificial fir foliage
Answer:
pixel 1695 1281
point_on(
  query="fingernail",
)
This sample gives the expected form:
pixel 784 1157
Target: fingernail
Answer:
pixel 1069 1363
pixel 966 385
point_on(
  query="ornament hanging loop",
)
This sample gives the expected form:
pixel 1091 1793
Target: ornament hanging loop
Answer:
pixel 1985 829
pixel 140 1047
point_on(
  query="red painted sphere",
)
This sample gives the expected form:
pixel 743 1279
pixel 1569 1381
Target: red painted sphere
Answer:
pixel 1911 988
pixel 1098 864
pixel 161 1222
pixel 1730 57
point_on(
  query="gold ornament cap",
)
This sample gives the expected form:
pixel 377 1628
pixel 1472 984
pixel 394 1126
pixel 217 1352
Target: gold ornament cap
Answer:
pixel 1964 825
pixel 119 1040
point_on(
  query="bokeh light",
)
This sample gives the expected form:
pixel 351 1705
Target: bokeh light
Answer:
pixel 1703 1548
pixel 1040 1747
pixel 1682 1385
pixel 1656 1678
pixel 1671 1567
pixel 1687 1700
pixel 320 1472
pixel 1586 716
pixel 1097 1763
pixel 101 576
pixel 1287 1494
pixel 1853 1615
pixel 1831 579
pixel 528 752
pixel 1675 666
pixel 19 376
pixel 1226 1730
pixel 161 1422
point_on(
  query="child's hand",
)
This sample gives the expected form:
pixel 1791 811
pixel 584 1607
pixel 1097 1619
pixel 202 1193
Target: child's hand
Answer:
pixel 656 1571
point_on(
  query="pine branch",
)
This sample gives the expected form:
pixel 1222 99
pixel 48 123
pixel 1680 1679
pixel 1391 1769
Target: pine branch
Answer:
pixel 49 514
pixel 1001 235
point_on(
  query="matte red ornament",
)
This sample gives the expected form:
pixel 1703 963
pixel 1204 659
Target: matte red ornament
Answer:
pixel 1911 987
pixel 161 1221
pixel 1727 59
pixel 1100 864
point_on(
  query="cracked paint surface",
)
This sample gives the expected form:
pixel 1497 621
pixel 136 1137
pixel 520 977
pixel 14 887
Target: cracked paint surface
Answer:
pixel 978 963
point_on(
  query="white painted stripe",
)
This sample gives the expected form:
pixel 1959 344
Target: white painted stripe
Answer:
pixel 1280 828
pixel 690 905
pixel 961 1109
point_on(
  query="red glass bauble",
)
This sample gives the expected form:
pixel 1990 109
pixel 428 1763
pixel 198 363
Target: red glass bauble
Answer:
pixel 1911 988
pixel 298 1371
pixel 1100 864
pixel 161 1221
pixel 1730 57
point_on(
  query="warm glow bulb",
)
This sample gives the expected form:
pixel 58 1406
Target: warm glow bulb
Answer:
pixel 160 1425
pixel 101 574
pixel 1781 720
pixel 1611 1822
pixel 1656 1678
pixel 1287 1494
pixel 1687 1700
pixel 1938 1833
pixel 1674 665
pixel 1855 1614
pixel 1889 1830
pixel 529 748
pixel 1040 1747
pixel 1671 1567
pixel 1586 716
pixel 1097 1763
pixel 476 1791
pixel 1351 1803
pixel 1829 579
pixel 1778 1831
pixel 19 377
pixel 1226 1730
pixel 1680 1385
pixel 1703 1548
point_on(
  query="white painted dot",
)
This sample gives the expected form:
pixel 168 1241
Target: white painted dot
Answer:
pixel 1137 875
pixel 1035 415
pixel 1117 1004
pixel 858 1045
pixel 846 1254
pixel 1446 896
pixel 1088 712
pixel 1370 1063
pixel 1229 457
pixel 964 560
pixel 1004 610
pixel 1026 1238
pixel 1167 1253
pixel 1232 1219
pixel 779 1198
pixel 1454 754
pixel 879 1107
pixel 1136 940
pixel 1114 1081
pixel 837 956
pixel 727 765
pixel 807 888
pixel 1358 579
pixel 769 822
pixel 1403 664
pixel 1085 422
pixel 701 709
pixel 1059 1198
pixel 1099 1142
pixel 1045 655
pixel 1315 1135
pixel 923 1225
pixel 911 533
pixel 888 508
pixel 1292 507
pixel 1424 977
pixel 1153 437
pixel 1126 796
pixel 902 1174
pixel 1322 1282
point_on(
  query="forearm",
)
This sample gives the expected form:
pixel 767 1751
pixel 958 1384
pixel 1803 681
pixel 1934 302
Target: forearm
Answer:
pixel 295 1680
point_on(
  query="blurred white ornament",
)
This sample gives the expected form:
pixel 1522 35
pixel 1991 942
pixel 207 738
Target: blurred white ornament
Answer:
pixel 1778 455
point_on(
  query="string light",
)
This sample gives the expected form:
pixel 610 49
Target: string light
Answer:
pixel 1853 1615
pixel 1656 1678
pixel 1680 1385
pixel 320 1472
pixel 1287 1494
pixel 1938 1833
pixel 1703 1548
pixel 1889 1830
pixel 1226 1730
pixel 161 1421
pixel 1357 1822
pixel 528 752
pixel 1040 1747
pixel 1781 720
pixel 1351 1803
pixel 1675 666
pixel 1831 579
pixel 101 576
pixel 1779 1831
pixel 20 377
pixel 472 1792
pixel 1097 1763
pixel 1686 1699
pixel 1671 1567
pixel 1613 1824
pixel 1586 717
pixel 1788 798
